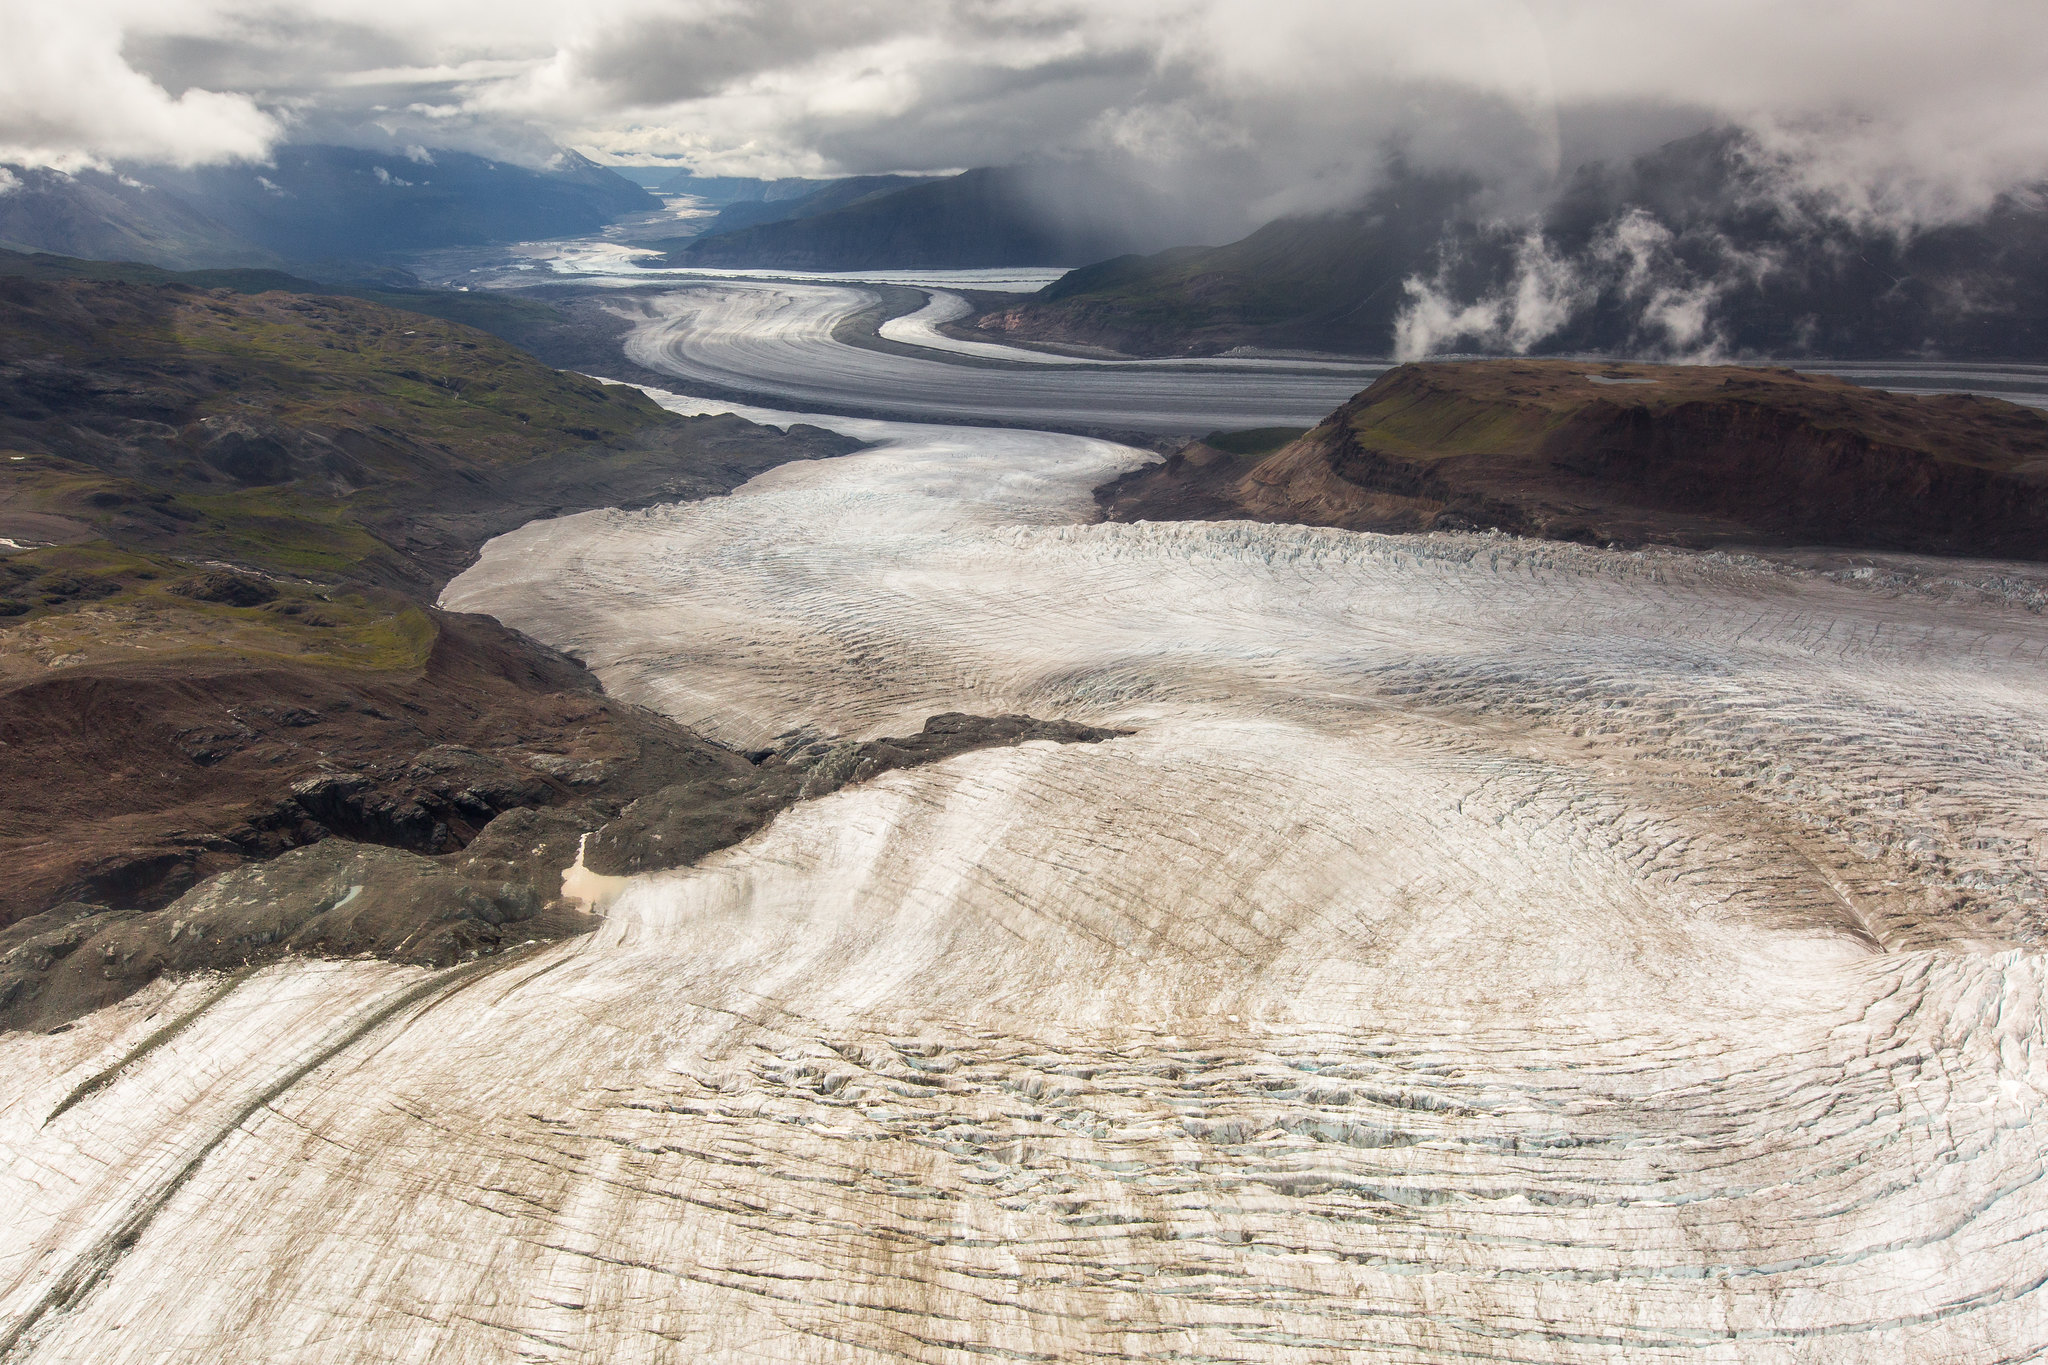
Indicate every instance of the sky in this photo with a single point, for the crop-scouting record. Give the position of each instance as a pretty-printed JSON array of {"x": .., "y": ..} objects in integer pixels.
[{"x": 1914, "y": 110}]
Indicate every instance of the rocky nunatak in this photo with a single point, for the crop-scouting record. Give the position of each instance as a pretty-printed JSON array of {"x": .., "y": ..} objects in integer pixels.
[
  {"x": 685, "y": 820},
  {"x": 1629, "y": 454},
  {"x": 500, "y": 887}
]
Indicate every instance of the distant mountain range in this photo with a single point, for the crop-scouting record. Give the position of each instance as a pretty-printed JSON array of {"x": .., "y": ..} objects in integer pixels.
[
  {"x": 312, "y": 204},
  {"x": 1706, "y": 248},
  {"x": 1703, "y": 248},
  {"x": 109, "y": 217},
  {"x": 821, "y": 198},
  {"x": 1050, "y": 214},
  {"x": 718, "y": 189},
  {"x": 1327, "y": 283}
]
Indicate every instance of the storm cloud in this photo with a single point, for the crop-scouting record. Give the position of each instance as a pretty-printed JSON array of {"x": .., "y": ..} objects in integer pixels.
[{"x": 1898, "y": 111}]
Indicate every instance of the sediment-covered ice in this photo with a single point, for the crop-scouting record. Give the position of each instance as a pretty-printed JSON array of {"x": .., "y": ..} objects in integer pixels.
[
  {"x": 1481, "y": 950},
  {"x": 778, "y": 338}
]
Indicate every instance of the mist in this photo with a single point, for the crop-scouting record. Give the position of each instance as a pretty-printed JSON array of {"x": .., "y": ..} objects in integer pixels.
[{"x": 1227, "y": 113}]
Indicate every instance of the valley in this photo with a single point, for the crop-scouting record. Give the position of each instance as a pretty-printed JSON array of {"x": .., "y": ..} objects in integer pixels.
[
  {"x": 1522, "y": 950},
  {"x": 962, "y": 683}
]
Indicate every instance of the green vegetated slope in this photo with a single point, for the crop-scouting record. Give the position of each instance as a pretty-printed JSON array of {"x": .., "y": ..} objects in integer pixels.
[
  {"x": 1692, "y": 455},
  {"x": 224, "y": 518},
  {"x": 1049, "y": 214},
  {"x": 1253, "y": 441},
  {"x": 1331, "y": 281},
  {"x": 145, "y": 427},
  {"x": 523, "y": 322},
  {"x": 48, "y": 266}
]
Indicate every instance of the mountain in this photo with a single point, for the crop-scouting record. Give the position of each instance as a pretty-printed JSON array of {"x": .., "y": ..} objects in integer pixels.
[
  {"x": 317, "y": 203},
  {"x": 718, "y": 190},
  {"x": 311, "y": 204},
  {"x": 115, "y": 218},
  {"x": 233, "y": 723},
  {"x": 1329, "y": 283},
  {"x": 1053, "y": 214},
  {"x": 224, "y": 520},
  {"x": 1602, "y": 453},
  {"x": 1704, "y": 248},
  {"x": 823, "y": 198}
]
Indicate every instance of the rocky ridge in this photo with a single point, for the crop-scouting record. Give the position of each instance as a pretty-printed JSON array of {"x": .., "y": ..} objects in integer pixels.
[
  {"x": 224, "y": 519},
  {"x": 459, "y": 856},
  {"x": 1631, "y": 454}
]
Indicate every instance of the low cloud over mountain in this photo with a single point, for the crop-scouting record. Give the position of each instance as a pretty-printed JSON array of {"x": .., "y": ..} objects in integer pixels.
[
  {"x": 1234, "y": 112},
  {"x": 1711, "y": 247}
]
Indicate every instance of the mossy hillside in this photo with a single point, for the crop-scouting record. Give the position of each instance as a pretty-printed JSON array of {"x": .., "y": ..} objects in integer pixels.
[
  {"x": 324, "y": 363},
  {"x": 516, "y": 320},
  {"x": 1254, "y": 442},
  {"x": 519, "y": 321},
  {"x": 1432, "y": 411},
  {"x": 121, "y": 386},
  {"x": 113, "y": 596},
  {"x": 1418, "y": 418},
  {"x": 280, "y": 530},
  {"x": 44, "y": 265},
  {"x": 348, "y": 363},
  {"x": 98, "y": 603},
  {"x": 284, "y": 530}
]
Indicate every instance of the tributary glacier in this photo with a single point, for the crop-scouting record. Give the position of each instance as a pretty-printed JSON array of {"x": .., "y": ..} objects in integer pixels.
[{"x": 1478, "y": 950}]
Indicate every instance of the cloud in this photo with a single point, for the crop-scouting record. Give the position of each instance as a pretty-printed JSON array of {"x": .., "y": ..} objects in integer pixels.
[
  {"x": 1605, "y": 269},
  {"x": 1546, "y": 290},
  {"x": 68, "y": 99},
  {"x": 1902, "y": 111}
]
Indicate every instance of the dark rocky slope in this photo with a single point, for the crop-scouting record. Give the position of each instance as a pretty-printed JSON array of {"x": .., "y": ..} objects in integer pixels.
[
  {"x": 343, "y": 207},
  {"x": 821, "y": 197},
  {"x": 232, "y": 726},
  {"x": 1705, "y": 244},
  {"x": 1054, "y": 214},
  {"x": 394, "y": 898},
  {"x": 1686, "y": 455}
]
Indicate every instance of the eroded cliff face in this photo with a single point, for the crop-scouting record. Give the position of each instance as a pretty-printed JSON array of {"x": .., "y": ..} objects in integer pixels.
[{"x": 1636, "y": 454}]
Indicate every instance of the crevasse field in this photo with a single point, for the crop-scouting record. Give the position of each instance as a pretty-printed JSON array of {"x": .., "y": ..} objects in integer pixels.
[{"x": 1478, "y": 950}]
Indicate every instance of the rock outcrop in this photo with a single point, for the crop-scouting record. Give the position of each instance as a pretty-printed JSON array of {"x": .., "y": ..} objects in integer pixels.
[{"x": 1633, "y": 454}]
